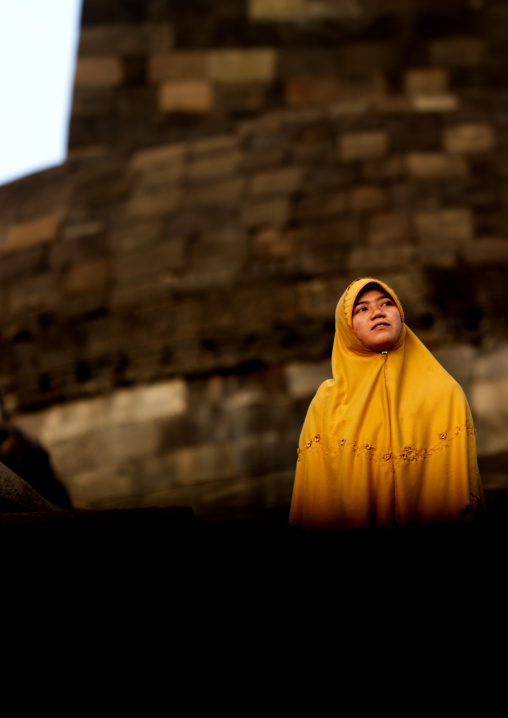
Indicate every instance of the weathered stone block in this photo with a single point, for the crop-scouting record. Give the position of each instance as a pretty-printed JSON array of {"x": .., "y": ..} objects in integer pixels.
[
  {"x": 390, "y": 167},
  {"x": 445, "y": 225},
  {"x": 205, "y": 463},
  {"x": 215, "y": 167},
  {"x": 215, "y": 144},
  {"x": 445, "y": 102},
  {"x": 389, "y": 104},
  {"x": 189, "y": 429},
  {"x": 361, "y": 12},
  {"x": 354, "y": 146},
  {"x": 241, "y": 66},
  {"x": 156, "y": 474},
  {"x": 368, "y": 57},
  {"x": 159, "y": 158},
  {"x": 457, "y": 52},
  {"x": 240, "y": 98},
  {"x": 95, "y": 174},
  {"x": 88, "y": 276},
  {"x": 187, "y": 222},
  {"x": 305, "y": 91},
  {"x": 192, "y": 96},
  {"x": 489, "y": 404},
  {"x": 326, "y": 204},
  {"x": 82, "y": 230},
  {"x": 282, "y": 180},
  {"x": 503, "y": 193},
  {"x": 458, "y": 361},
  {"x": 126, "y": 441},
  {"x": 366, "y": 198},
  {"x": 318, "y": 298},
  {"x": 469, "y": 138},
  {"x": 23, "y": 235},
  {"x": 129, "y": 235},
  {"x": 125, "y": 406},
  {"x": 352, "y": 106},
  {"x": 227, "y": 192},
  {"x": 33, "y": 293},
  {"x": 20, "y": 265},
  {"x": 221, "y": 252},
  {"x": 189, "y": 319},
  {"x": 75, "y": 456},
  {"x": 154, "y": 201},
  {"x": 103, "y": 486},
  {"x": 426, "y": 81},
  {"x": 176, "y": 66},
  {"x": 352, "y": 10},
  {"x": 152, "y": 264},
  {"x": 81, "y": 304},
  {"x": 266, "y": 150},
  {"x": 486, "y": 250},
  {"x": 158, "y": 180},
  {"x": 257, "y": 308},
  {"x": 273, "y": 243},
  {"x": 274, "y": 211},
  {"x": 251, "y": 413},
  {"x": 306, "y": 64},
  {"x": 66, "y": 253},
  {"x": 491, "y": 365},
  {"x": 445, "y": 258},
  {"x": 89, "y": 102},
  {"x": 125, "y": 39},
  {"x": 313, "y": 150},
  {"x": 274, "y": 10},
  {"x": 255, "y": 455},
  {"x": 99, "y": 72},
  {"x": 410, "y": 283},
  {"x": 125, "y": 297},
  {"x": 303, "y": 379},
  {"x": 389, "y": 228},
  {"x": 434, "y": 165},
  {"x": 324, "y": 247},
  {"x": 371, "y": 260}
]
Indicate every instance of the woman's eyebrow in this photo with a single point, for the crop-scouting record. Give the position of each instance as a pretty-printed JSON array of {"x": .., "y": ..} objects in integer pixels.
[{"x": 364, "y": 301}]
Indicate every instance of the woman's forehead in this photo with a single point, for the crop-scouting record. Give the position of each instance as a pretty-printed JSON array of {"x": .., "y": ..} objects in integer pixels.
[{"x": 371, "y": 292}]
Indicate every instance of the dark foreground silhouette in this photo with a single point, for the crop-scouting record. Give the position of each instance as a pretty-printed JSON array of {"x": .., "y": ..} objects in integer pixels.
[{"x": 166, "y": 551}]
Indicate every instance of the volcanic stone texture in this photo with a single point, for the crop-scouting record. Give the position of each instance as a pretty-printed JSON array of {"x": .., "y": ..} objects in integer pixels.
[{"x": 168, "y": 294}]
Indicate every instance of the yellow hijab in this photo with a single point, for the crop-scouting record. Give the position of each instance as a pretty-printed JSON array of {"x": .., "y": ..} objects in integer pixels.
[{"x": 389, "y": 441}]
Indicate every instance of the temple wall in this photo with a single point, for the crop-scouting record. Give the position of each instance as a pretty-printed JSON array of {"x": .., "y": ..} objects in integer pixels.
[{"x": 168, "y": 294}]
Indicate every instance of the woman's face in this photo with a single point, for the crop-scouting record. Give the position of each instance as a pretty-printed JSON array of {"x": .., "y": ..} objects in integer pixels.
[{"x": 376, "y": 320}]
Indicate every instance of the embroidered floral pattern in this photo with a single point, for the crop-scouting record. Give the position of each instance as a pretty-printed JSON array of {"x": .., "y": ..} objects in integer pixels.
[
  {"x": 407, "y": 455},
  {"x": 308, "y": 445}
]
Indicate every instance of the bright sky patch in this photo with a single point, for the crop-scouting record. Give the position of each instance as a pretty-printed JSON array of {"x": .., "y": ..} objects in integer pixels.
[{"x": 38, "y": 44}]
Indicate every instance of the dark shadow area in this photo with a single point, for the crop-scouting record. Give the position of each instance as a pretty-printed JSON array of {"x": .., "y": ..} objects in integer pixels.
[
  {"x": 153, "y": 586},
  {"x": 156, "y": 546}
]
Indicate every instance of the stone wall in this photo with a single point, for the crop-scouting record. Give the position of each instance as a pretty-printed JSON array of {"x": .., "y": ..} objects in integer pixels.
[{"x": 168, "y": 294}]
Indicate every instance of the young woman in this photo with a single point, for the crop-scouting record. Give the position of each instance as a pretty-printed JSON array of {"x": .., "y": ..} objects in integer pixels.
[{"x": 389, "y": 441}]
